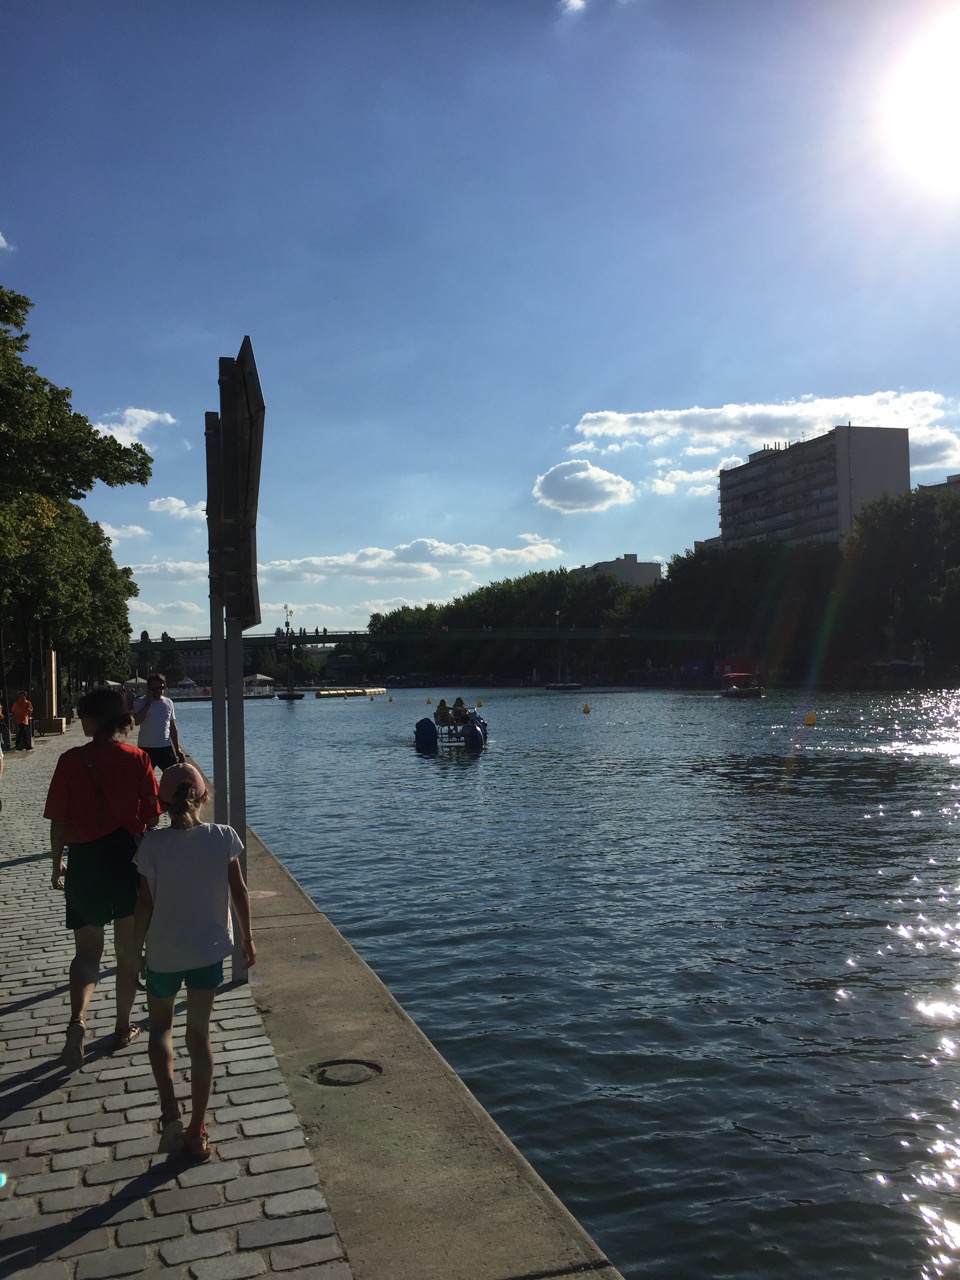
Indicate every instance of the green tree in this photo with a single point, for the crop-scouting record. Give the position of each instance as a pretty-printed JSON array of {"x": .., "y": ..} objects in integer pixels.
[{"x": 58, "y": 580}]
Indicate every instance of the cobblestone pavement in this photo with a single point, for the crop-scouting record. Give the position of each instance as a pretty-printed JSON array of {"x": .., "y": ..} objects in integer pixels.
[{"x": 86, "y": 1195}]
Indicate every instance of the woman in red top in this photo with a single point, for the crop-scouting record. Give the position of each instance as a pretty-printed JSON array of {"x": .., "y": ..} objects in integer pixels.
[{"x": 102, "y": 798}]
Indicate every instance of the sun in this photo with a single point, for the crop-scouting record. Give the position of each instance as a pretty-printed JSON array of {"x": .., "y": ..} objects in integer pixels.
[{"x": 920, "y": 108}]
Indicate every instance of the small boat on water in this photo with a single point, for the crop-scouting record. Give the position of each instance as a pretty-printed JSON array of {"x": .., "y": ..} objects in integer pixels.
[
  {"x": 469, "y": 732},
  {"x": 741, "y": 684}
]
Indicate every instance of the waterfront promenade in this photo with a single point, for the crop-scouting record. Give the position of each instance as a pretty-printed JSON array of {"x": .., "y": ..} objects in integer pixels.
[{"x": 325, "y": 1094}]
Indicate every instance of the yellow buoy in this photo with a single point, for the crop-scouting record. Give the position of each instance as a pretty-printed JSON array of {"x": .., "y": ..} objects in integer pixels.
[
  {"x": 429, "y": 702},
  {"x": 390, "y": 699},
  {"x": 586, "y": 708},
  {"x": 479, "y": 702},
  {"x": 811, "y": 718}
]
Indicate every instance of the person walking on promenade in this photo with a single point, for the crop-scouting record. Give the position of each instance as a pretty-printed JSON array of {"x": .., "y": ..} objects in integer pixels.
[
  {"x": 159, "y": 736},
  {"x": 22, "y": 710},
  {"x": 4, "y": 728},
  {"x": 189, "y": 875},
  {"x": 102, "y": 797}
]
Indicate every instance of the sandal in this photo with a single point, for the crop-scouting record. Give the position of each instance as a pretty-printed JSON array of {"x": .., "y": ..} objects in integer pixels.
[
  {"x": 121, "y": 1039},
  {"x": 171, "y": 1133},
  {"x": 71, "y": 1055},
  {"x": 197, "y": 1146}
]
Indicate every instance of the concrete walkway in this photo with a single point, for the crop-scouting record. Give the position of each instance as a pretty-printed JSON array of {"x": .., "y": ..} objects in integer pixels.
[{"x": 86, "y": 1195}]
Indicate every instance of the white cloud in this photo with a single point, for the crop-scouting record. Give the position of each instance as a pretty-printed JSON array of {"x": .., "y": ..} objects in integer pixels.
[
  {"x": 573, "y": 6},
  {"x": 580, "y": 486},
  {"x": 933, "y": 422},
  {"x": 124, "y": 531},
  {"x": 423, "y": 559},
  {"x": 129, "y": 425},
  {"x": 5, "y": 245},
  {"x": 161, "y": 610},
  {"x": 177, "y": 507},
  {"x": 173, "y": 570},
  {"x": 759, "y": 424}
]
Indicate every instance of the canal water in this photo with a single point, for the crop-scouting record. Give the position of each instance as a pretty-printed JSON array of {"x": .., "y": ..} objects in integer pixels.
[{"x": 697, "y": 957}]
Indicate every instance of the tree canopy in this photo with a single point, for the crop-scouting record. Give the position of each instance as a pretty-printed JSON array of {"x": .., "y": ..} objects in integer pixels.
[
  {"x": 59, "y": 583},
  {"x": 807, "y": 613}
]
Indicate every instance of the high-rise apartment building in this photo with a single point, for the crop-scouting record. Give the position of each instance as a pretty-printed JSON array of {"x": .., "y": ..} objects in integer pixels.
[
  {"x": 811, "y": 491},
  {"x": 634, "y": 572}
]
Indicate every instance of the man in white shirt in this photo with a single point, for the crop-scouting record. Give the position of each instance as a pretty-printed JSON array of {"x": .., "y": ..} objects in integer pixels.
[{"x": 159, "y": 736}]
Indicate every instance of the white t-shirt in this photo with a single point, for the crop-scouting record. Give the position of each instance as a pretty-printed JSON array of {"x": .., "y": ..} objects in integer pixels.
[
  {"x": 187, "y": 875},
  {"x": 155, "y": 728}
]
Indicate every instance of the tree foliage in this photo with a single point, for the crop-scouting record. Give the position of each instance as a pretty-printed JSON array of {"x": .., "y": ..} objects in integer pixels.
[
  {"x": 59, "y": 584},
  {"x": 806, "y": 613}
]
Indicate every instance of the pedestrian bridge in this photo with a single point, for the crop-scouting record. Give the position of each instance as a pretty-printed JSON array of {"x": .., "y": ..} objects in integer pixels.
[{"x": 385, "y": 639}]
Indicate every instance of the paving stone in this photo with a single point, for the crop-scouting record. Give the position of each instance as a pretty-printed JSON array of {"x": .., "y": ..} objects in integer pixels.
[
  {"x": 262, "y": 1235},
  {"x": 115, "y": 1262},
  {"x": 112, "y": 1171},
  {"x": 230, "y": 1267},
  {"x": 61, "y": 1142},
  {"x": 305, "y": 1253},
  {"x": 267, "y": 1184},
  {"x": 240, "y": 1096},
  {"x": 75, "y": 1198},
  {"x": 28, "y": 1165},
  {"x": 328, "y": 1271},
  {"x": 243, "y": 1148},
  {"x": 208, "y": 1245},
  {"x": 17, "y": 1207},
  {"x": 227, "y": 1215},
  {"x": 269, "y": 1124},
  {"x": 254, "y": 1110},
  {"x": 72, "y": 1243},
  {"x": 306, "y": 1201},
  {"x": 212, "y": 1171},
  {"x": 170, "y": 1226},
  {"x": 293, "y": 1159},
  {"x": 258, "y": 1081},
  {"x": 186, "y": 1201},
  {"x": 81, "y": 1158},
  {"x": 46, "y": 1271},
  {"x": 123, "y": 1133},
  {"x": 59, "y": 1181}
]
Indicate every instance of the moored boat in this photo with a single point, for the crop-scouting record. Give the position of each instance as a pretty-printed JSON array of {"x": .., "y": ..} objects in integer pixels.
[{"x": 741, "y": 684}]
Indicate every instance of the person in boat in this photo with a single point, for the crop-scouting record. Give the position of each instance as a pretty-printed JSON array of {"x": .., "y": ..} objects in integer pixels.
[
  {"x": 443, "y": 716},
  {"x": 461, "y": 713}
]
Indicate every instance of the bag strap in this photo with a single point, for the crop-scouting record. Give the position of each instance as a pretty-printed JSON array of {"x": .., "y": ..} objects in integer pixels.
[{"x": 101, "y": 794}]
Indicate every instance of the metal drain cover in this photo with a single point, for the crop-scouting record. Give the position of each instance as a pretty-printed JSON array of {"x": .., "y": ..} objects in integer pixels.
[{"x": 344, "y": 1071}]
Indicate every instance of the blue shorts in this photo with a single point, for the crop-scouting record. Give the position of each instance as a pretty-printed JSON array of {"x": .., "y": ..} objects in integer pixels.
[{"x": 166, "y": 985}]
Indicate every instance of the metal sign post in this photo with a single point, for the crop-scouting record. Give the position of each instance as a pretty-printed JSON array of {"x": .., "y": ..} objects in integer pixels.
[{"x": 234, "y": 447}]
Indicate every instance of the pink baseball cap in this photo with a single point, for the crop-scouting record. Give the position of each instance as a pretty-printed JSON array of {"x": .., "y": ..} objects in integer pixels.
[{"x": 173, "y": 778}]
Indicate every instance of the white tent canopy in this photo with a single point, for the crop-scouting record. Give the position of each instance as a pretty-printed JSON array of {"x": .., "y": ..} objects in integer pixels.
[{"x": 258, "y": 679}]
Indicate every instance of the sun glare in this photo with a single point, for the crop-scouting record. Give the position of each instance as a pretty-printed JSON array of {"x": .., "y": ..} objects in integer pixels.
[{"x": 921, "y": 108}]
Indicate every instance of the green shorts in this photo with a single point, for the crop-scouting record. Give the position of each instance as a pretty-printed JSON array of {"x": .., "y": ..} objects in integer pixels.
[
  {"x": 166, "y": 985},
  {"x": 101, "y": 881}
]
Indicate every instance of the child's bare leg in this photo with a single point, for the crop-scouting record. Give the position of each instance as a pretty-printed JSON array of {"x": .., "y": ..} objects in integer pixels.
[
  {"x": 197, "y": 1037},
  {"x": 127, "y": 969},
  {"x": 161, "y": 1053}
]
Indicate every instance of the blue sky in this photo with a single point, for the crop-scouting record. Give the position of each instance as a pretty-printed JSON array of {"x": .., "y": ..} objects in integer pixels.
[{"x": 520, "y": 275}]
